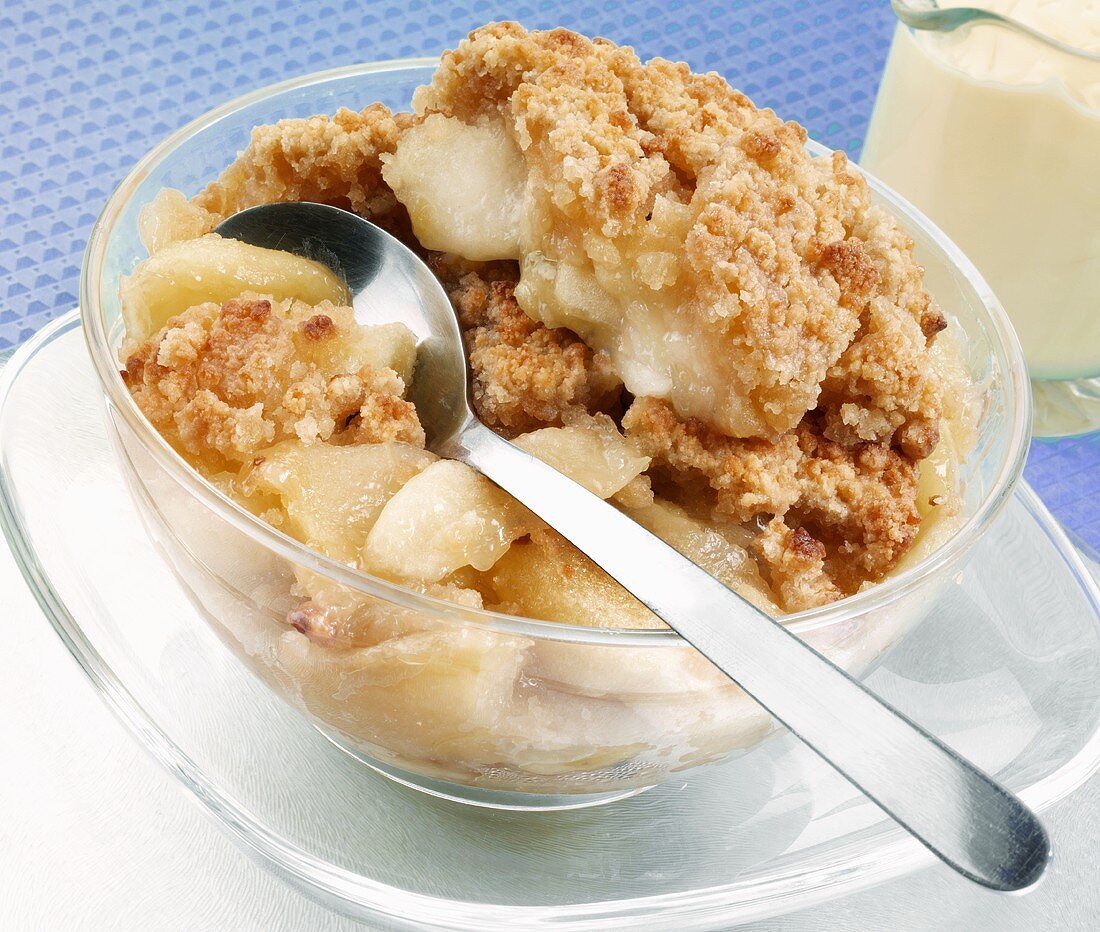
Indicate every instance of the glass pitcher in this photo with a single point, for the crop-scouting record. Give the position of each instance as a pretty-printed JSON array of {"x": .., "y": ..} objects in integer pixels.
[{"x": 988, "y": 119}]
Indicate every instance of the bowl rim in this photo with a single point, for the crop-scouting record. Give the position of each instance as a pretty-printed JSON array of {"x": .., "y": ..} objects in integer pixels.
[{"x": 98, "y": 340}]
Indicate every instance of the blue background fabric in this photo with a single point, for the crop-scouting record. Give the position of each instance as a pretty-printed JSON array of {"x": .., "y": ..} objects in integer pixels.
[{"x": 87, "y": 88}]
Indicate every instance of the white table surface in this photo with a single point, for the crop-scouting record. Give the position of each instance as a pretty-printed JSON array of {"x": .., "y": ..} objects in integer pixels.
[{"x": 93, "y": 835}]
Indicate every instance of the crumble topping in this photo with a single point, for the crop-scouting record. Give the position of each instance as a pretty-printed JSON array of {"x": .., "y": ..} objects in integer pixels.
[
  {"x": 795, "y": 562},
  {"x": 663, "y": 255},
  {"x": 326, "y": 159},
  {"x": 858, "y": 504},
  {"x": 525, "y": 375},
  {"x": 333, "y": 160},
  {"x": 225, "y": 381},
  {"x": 689, "y": 235}
]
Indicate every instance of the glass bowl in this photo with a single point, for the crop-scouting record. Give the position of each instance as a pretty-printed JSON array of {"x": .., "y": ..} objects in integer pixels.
[{"x": 469, "y": 704}]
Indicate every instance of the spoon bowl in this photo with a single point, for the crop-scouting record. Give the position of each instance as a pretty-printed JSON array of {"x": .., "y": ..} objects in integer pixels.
[{"x": 389, "y": 283}]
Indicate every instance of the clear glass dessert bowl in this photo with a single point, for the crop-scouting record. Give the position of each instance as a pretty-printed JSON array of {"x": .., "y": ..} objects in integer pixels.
[{"x": 465, "y": 703}]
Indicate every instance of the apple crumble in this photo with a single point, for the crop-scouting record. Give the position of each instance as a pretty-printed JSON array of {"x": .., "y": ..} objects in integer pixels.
[{"x": 661, "y": 292}]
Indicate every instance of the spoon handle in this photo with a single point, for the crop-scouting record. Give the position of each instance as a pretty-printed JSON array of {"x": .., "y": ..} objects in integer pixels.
[{"x": 960, "y": 814}]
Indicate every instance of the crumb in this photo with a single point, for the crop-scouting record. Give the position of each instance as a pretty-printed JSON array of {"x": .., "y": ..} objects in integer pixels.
[
  {"x": 525, "y": 375},
  {"x": 932, "y": 321},
  {"x": 794, "y": 564},
  {"x": 223, "y": 382},
  {"x": 330, "y": 160},
  {"x": 384, "y": 417},
  {"x": 859, "y": 502},
  {"x": 318, "y": 327}
]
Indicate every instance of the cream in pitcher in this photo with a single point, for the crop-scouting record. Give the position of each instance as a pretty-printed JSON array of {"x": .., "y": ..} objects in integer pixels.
[{"x": 996, "y": 136}]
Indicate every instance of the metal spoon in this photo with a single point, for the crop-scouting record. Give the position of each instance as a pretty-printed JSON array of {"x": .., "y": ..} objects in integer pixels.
[
  {"x": 925, "y": 14},
  {"x": 955, "y": 810}
]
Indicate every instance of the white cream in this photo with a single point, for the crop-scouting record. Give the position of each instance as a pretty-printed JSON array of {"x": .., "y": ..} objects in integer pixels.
[{"x": 997, "y": 138}]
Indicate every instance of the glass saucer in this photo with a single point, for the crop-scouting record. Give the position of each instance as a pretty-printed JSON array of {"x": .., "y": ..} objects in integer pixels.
[{"x": 1006, "y": 669}]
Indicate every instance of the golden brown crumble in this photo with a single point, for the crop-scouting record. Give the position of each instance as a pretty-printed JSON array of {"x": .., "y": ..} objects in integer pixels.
[
  {"x": 317, "y": 327},
  {"x": 325, "y": 159},
  {"x": 226, "y": 381},
  {"x": 784, "y": 262},
  {"x": 745, "y": 477},
  {"x": 861, "y": 502},
  {"x": 525, "y": 375},
  {"x": 332, "y": 160},
  {"x": 795, "y": 566},
  {"x": 858, "y": 503},
  {"x": 654, "y": 188}
]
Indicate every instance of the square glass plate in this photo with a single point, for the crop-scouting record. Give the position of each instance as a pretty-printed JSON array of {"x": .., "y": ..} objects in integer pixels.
[{"x": 1005, "y": 668}]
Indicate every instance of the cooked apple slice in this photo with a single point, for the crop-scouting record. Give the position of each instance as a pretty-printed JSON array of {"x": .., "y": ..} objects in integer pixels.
[
  {"x": 445, "y": 518},
  {"x": 549, "y": 579},
  {"x": 438, "y": 694},
  {"x": 463, "y": 186},
  {"x": 379, "y": 346},
  {"x": 170, "y": 217},
  {"x": 705, "y": 545},
  {"x": 937, "y": 499},
  {"x": 333, "y": 495},
  {"x": 184, "y": 274},
  {"x": 590, "y": 451}
]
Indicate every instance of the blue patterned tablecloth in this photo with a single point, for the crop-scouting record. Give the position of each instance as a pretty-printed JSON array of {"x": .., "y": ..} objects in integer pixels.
[{"x": 86, "y": 88}]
